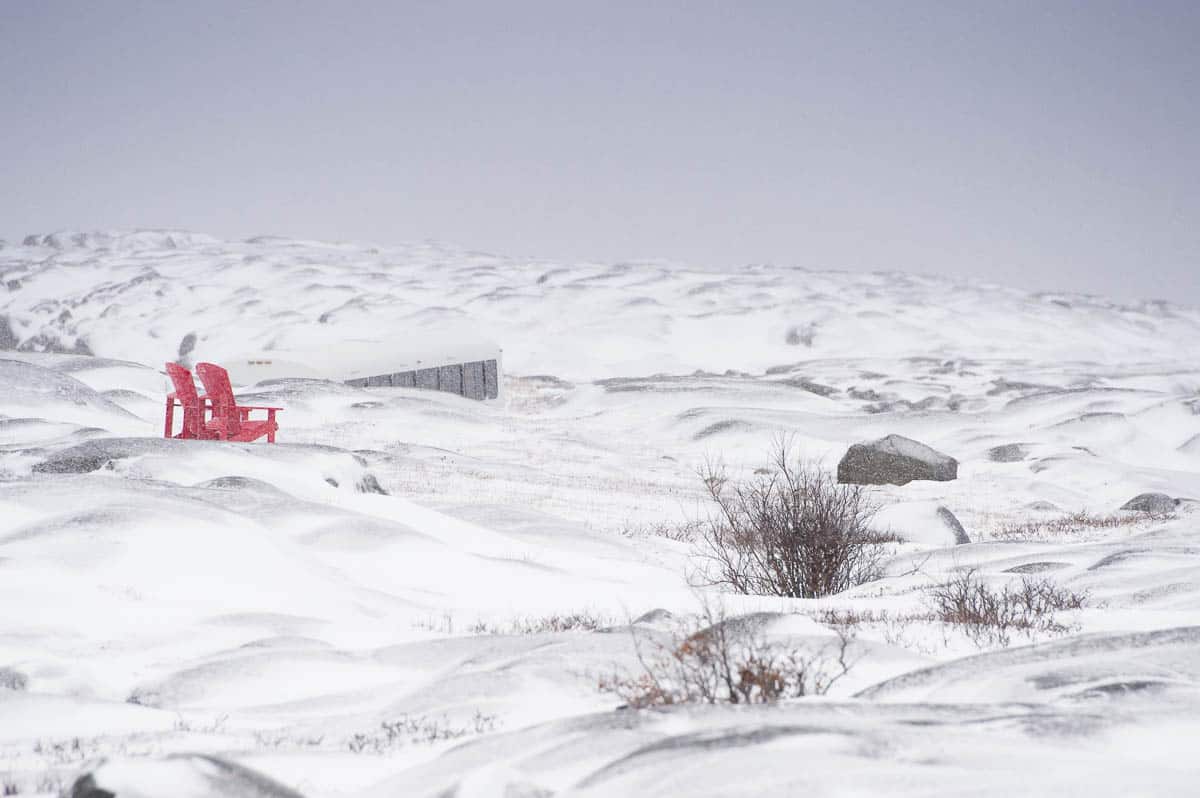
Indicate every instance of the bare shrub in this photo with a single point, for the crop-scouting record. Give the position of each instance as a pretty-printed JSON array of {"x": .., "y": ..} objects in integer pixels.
[
  {"x": 581, "y": 621},
  {"x": 65, "y": 752},
  {"x": 212, "y": 726},
  {"x": 801, "y": 334},
  {"x": 712, "y": 659},
  {"x": 991, "y": 616},
  {"x": 791, "y": 531},
  {"x": 443, "y": 625},
  {"x": 46, "y": 784},
  {"x": 13, "y": 679},
  {"x": 682, "y": 532},
  {"x": 50, "y": 784},
  {"x": 416, "y": 730}
]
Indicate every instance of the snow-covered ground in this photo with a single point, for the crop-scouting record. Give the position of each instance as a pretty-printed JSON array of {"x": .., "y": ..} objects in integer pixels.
[{"x": 366, "y": 608}]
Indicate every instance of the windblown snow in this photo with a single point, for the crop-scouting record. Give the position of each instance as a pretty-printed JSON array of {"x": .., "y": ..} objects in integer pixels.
[{"x": 417, "y": 594}]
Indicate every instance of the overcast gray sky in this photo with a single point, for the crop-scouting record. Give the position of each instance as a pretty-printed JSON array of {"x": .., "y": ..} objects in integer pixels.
[{"x": 1045, "y": 144}]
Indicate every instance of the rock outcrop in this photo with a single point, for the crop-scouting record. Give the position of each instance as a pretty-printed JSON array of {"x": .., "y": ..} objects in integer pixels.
[
  {"x": 954, "y": 525},
  {"x": 1151, "y": 503},
  {"x": 179, "y": 775}
]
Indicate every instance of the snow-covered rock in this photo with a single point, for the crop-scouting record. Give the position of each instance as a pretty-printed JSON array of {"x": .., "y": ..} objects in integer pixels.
[
  {"x": 924, "y": 522},
  {"x": 894, "y": 460},
  {"x": 1151, "y": 503},
  {"x": 1008, "y": 453},
  {"x": 178, "y": 776}
]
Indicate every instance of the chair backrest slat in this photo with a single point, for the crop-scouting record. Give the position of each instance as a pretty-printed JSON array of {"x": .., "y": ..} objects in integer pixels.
[
  {"x": 185, "y": 392},
  {"x": 220, "y": 392},
  {"x": 185, "y": 388}
]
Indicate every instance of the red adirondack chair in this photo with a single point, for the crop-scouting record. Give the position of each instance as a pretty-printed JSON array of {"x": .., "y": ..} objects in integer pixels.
[
  {"x": 230, "y": 421},
  {"x": 194, "y": 406}
]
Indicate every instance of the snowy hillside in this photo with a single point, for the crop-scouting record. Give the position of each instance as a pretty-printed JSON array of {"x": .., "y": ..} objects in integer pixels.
[
  {"x": 136, "y": 296},
  {"x": 418, "y": 594}
]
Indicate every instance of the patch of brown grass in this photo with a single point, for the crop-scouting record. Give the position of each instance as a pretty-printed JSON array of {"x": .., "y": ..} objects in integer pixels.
[{"x": 1072, "y": 524}]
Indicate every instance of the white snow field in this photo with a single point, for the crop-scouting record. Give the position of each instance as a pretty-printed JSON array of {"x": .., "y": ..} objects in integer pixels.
[{"x": 417, "y": 594}]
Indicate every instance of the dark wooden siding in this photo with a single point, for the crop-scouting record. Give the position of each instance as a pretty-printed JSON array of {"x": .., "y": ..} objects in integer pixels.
[{"x": 479, "y": 379}]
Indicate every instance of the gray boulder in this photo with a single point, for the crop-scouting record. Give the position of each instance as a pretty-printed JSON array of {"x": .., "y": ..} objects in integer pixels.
[
  {"x": 1151, "y": 503},
  {"x": 894, "y": 460},
  {"x": 177, "y": 775},
  {"x": 186, "y": 347},
  {"x": 805, "y": 384},
  {"x": 1008, "y": 453}
]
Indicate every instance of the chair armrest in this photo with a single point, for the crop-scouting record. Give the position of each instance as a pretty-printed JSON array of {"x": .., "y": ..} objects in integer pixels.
[
  {"x": 257, "y": 407},
  {"x": 174, "y": 397}
]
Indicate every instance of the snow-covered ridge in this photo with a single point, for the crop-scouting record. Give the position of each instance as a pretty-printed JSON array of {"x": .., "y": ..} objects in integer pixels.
[
  {"x": 127, "y": 241},
  {"x": 398, "y": 560},
  {"x": 138, "y": 295}
]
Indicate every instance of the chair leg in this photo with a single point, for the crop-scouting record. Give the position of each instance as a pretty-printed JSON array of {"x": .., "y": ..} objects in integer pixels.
[
  {"x": 168, "y": 428},
  {"x": 271, "y": 426}
]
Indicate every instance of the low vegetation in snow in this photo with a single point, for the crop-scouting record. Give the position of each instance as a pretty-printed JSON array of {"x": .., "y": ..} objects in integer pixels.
[
  {"x": 992, "y": 616},
  {"x": 581, "y": 621},
  {"x": 789, "y": 530},
  {"x": 416, "y": 730},
  {"x": 711, "y": 658},
  {"x": 1027, "y": 528}
]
